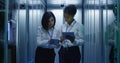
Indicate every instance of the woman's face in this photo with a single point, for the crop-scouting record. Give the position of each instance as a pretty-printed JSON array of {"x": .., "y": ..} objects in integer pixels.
[
  {"x": 51, "y": 22},
  {"x": 68, "y": 18}
]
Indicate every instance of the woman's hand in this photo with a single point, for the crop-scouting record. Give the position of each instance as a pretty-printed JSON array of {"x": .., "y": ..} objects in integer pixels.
[
  {"x": 49, "y": 41},
  {"x": 70, "y": 38},
  {"x": 61, "y": 39}
]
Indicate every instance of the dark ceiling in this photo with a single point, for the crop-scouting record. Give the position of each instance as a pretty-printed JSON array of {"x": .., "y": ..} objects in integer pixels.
[{"x": 56, "y": 3}]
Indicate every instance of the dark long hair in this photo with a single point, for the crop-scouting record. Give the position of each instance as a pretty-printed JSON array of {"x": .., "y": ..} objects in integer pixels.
[{"x": 45, "y": 19}]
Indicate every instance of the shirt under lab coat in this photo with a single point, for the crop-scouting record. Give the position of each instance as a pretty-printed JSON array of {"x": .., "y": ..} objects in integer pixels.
[
  {"x": 77, "y": 28},
  {"x": 44, "y": 36}
]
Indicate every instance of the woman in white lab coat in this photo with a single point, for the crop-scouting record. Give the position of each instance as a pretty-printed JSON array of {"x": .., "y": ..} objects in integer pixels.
[
  {"x": 45, "y": 51},
  {"x": 69, "y": 51}
]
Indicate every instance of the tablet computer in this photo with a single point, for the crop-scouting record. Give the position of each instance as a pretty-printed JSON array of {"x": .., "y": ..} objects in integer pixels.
[
  {"x": 54, "y": 41},
  {"x": 64, "y": 34}
]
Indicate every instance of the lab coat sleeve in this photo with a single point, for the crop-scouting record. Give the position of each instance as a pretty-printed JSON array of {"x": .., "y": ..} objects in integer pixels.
[
  {"x": 79, "y": 36},
  {"x": 40, "y": 40}
]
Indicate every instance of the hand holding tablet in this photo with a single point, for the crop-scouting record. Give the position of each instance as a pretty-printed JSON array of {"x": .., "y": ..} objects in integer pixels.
[{"x": 68, "y": 35}]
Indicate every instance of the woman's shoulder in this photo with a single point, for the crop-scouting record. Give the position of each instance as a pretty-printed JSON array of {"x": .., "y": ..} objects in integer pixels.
[
  {"x": 40, "y": 28},
  {"x": 79, "y": 24},
  {"x": 57, "y": 29}
]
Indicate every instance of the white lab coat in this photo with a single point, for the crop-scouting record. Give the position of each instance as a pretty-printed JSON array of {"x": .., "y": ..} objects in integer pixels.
[{"x": 78, "y": 30}]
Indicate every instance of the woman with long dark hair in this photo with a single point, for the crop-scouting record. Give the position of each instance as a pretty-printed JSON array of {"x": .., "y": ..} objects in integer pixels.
[{"x": 45, "y": 51}]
